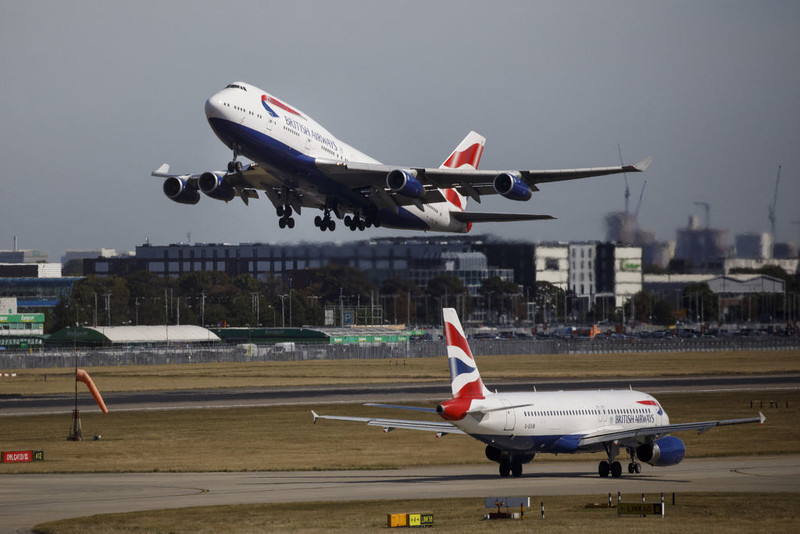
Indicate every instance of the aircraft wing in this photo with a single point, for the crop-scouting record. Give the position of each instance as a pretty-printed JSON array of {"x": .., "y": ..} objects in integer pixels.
[
  {"x": 247, "y": 182},
  {"x": 701, "y": 427},
  {"x": 440, "y": 427},
  {"x": 473, "y": 216},
  {"x": 469, "y": 182}
]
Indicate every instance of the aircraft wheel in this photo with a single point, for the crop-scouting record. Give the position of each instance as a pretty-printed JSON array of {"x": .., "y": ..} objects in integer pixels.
[
  {"x": 616, "y": 469},
  {"x": 516, "y": 469},
  {"x": 237, "y": 165},
  {"x": 331, "y": 225},
  {"x": 361, "y": 224},
  {"x": 505, "y": 469},
  {"x": 348, "y": 220},
  {"x": 231, "y": 166},
  {"x": 282, "y": 222},
  {"x": 318, "y": 221},
  {"x": 637, "y": 468},
  {"x": 603, "y": 469},
  {"x": 279, "y": 211},
  {"x": 287, "y": 210},
  {"x": 630, "y": 468},
  {"x": 290, "y": 222}
]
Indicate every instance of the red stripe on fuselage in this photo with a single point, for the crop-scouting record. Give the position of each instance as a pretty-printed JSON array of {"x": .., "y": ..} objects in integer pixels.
[{"x": 281, "y": 105}]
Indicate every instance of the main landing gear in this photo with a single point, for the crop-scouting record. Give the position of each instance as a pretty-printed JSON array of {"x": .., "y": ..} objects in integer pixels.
[
  {"x": 510, "y": 466},
  {"x": 325, "y": 222},
  {"x": 613, "y": 467},
  {"x": 357, "y": 223},
  {"x": 285, "y": 214}
]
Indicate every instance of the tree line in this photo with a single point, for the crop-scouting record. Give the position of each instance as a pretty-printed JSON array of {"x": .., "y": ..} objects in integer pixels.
[{"x": 212, "y": 299}]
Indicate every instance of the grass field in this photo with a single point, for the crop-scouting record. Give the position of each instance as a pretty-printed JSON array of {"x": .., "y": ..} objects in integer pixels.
[
  {"x": 693, "y": 513},
  {"x": 266, "y": 438},
  {"x": 192, "y": 440},
  {"x": 412, "y": 370}
]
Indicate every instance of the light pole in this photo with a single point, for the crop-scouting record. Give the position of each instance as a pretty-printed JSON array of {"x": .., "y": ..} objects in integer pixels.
[{"x": 283, "y": 312}]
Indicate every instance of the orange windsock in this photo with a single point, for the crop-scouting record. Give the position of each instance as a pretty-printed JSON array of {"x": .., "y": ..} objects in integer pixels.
[{"x": 83, "y": 376}]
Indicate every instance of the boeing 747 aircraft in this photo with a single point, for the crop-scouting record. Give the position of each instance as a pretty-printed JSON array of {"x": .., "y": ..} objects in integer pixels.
[
  {"x": 297, "y": 164},
  {"x": 517, "y": 426}
]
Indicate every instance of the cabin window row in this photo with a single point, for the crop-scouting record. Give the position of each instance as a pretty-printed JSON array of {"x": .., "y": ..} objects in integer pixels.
[{"x": 546, "y": 413}]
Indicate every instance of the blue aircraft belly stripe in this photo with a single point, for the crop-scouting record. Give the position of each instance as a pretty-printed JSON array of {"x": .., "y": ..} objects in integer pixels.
[
  {"x": 551, "y": 444},
  {"x": 273, "y": 154}
]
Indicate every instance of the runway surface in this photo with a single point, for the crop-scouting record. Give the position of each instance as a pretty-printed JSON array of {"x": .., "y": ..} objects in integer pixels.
[
  {"x": 26, "y": 500},
  {"x": 224, "y": 398}
]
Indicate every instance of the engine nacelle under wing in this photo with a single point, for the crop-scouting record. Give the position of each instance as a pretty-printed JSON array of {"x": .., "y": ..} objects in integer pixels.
[
  {"x": 511, "y": 187},
  {"x": 405, "y": 183},
  {"x": 662, "y": 452},
  {"x": 216, "y": 186},
  {"x": 179, "y": 190}
]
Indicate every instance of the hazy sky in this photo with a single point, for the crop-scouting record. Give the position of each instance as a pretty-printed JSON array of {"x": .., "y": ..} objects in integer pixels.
[{"x": 95, "y": 95}]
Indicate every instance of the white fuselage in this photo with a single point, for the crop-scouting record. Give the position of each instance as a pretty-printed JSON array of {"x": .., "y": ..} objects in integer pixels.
[
  {"x": 286, "y": 142},
  {"x": 555, "y": 421}
]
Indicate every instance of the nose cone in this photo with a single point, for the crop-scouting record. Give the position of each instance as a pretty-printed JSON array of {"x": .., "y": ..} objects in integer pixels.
[{"x": 214, "y": 107}]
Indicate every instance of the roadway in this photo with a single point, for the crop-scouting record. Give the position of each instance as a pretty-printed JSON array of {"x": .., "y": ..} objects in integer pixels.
[{"x": 27, "y": 500}]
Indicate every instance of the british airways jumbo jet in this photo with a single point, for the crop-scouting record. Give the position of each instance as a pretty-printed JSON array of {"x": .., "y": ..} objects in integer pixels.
[
  {"x": 517, "y": 426},
  {"x": 298, "y": 164}
]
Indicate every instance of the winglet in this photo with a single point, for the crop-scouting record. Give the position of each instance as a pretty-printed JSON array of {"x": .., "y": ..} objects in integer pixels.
[
  {"x": 161, "y": 171},
  {"x": 316, "y": 416},
  {"x": 762, "y": 417},
  {"x": 642, "y": 165}
]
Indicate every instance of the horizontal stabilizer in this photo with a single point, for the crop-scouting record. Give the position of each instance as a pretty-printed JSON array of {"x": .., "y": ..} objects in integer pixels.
[{"x": 471, "y": 217}]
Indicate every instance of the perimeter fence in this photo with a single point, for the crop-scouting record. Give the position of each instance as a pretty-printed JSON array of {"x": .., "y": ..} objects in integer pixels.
[{"x": 138, "y": 355}]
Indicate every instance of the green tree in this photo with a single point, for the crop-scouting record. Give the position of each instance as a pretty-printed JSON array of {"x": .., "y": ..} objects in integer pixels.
[
  {"x": 500, "y": 295},
  {"x": 403, "y": 293},
  {"x": 700, "y": 302},
  {"x": 447, "y": 290}
]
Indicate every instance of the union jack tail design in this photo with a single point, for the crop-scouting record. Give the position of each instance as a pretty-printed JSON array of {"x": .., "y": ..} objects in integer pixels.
[
  {"x": 465, "y": 380},
  {"x": 467, "y": 154}
]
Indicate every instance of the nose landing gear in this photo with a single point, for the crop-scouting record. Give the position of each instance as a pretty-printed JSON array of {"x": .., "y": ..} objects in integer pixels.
[{"x": 235, "y": 165}]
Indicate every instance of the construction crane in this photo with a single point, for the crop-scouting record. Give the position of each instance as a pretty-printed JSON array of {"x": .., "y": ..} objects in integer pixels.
[
  {"x": 625, "y": 174},
  {"x": 707, "y": 207},
  {"x": 639, "y": 203},
  {"x": 771, "y": 208}
]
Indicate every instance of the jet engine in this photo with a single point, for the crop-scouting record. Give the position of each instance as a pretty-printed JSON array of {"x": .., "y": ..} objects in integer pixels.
[
  {"x": 215, "y": 186},
  {"x": 511, "y": 187},
  {"x": 180, "y": 191},
  {"x": 662, "y": 452},
  {"x": 404, "y": 183}
]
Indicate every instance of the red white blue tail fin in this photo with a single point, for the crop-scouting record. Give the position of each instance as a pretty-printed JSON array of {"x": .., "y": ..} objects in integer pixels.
[
  {"x": 466, "y": 155},
  {"x": 465, "y": 380}
]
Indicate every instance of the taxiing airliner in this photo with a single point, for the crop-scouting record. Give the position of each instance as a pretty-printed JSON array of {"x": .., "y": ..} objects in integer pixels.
[
  {"x": 517, "y": 426},
  {"x": 298, "y": 164}
]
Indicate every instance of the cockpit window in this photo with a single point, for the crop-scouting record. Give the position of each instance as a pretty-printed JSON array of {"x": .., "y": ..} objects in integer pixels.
[{"x": 234, "y": 86}]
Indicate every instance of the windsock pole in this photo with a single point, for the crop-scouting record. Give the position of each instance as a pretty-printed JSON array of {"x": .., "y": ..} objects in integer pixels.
[
  {"x": 82, "y": 376},
  {"x": 75, "y": 433}
]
